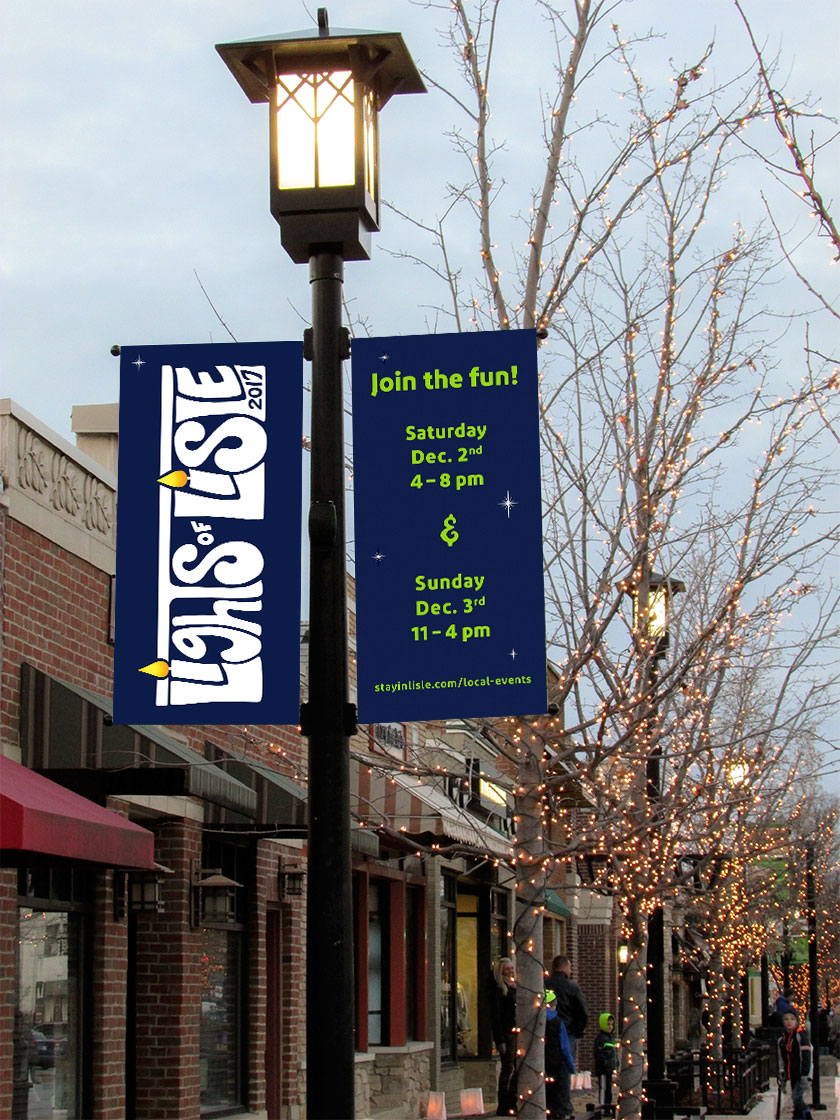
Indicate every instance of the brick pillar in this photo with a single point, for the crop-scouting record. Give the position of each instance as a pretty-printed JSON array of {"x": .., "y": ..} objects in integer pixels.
[
  {"x": 592, "y": 953},
  {"x": 265, "y": 887},
  {"x": 168, "y": 986},
  {"x": 592, "y": 968},
  {"x": 433, "y": 947},
  {"x": 293, "y": 917},
  {"x": 670, "y": 1009},
  {"x": 108, "y": 1000}
]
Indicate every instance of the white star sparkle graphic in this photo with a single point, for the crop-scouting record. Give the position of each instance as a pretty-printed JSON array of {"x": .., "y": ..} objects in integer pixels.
[
  {"x": 512, "y": 655},
  {"x": 508, "y": 503},
  {"x": 378, "y": 556},
  {"x": 384, "y": 357},
  {"x": 138, "y": 362}
]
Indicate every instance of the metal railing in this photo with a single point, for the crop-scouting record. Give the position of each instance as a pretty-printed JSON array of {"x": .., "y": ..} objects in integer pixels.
[{"x": 727, "y": 1085}]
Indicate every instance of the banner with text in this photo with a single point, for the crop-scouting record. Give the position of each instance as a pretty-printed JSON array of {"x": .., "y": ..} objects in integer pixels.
[
  {"x": 450, "y": 611},
  {"x": 208, "y": 534}
]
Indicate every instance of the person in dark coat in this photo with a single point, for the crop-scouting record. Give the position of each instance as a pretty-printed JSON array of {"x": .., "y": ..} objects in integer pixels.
[
  {"x": 502, "y": 993},
  {"x": 794, "y": 1053},
  {"x": 572, "y": 1009}
]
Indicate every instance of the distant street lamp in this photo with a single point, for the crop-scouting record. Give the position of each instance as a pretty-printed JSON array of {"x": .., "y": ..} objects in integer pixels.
[
  {"x": 651, "y": 597},
  {"x": 652, "y": 611},
  {"x": 325, "y": 90}
]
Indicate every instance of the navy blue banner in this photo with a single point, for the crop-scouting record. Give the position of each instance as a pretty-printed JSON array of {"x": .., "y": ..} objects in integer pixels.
[
  {"x": 450, "y": 610},
  {"x": 208, "y": 534}
]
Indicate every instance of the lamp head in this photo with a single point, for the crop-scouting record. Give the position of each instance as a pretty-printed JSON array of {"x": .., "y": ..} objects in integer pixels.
[
  {"x": 325, "y": 90},
  {"x": 660, "y": 590}
]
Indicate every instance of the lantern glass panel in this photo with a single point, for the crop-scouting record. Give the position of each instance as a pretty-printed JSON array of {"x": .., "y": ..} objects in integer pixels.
[
  {"x": 219, "y": 904},
  {"x": 657, "y": 620},
  {"x": 370, "y": 118},
  {"x": 316, "y": 130},
  {"x": 658, "y": 612}
]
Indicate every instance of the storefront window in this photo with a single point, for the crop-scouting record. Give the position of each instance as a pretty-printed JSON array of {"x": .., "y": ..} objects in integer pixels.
[
  {"x": 376, "y": 963},
  {"x": 499, "y": 926},
  {"x": 220, "y": 1018},
  {"x": 413, "y": 910},
  {"x": 467, "y": 990},
  {"x": 47, "y": 1043}
]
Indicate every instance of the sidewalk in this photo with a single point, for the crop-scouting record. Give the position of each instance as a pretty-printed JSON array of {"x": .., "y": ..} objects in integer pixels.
[{"x": 765, "y": 1107}]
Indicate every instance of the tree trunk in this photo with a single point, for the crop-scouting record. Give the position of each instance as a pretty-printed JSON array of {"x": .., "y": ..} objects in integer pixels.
[
  {"x": 528, "y": 938},
  {"x": 717, "y": 991},
  {"x": 633, "y": 981}
]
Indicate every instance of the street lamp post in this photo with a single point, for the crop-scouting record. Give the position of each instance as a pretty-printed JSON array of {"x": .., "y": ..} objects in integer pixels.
[
  {"x": 813, "y": 978},
  {"x": 651, "y": 597},
  {"x": 325, "y": 90}
]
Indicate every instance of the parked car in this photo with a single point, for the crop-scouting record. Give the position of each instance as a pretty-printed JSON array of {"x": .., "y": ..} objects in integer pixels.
[
  {"x": 39, "y": 1049},
  {"x": 55, "y": 1035}
]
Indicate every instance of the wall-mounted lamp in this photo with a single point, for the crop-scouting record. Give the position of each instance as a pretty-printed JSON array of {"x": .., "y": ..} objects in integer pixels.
[
  {"x": 623, "y": 953},
  {"x": 214, "y": 897},
  {"x": 289, "y": 881},
  {"x": 139, "y": 892},
  {"x": 144, "y": 890}
]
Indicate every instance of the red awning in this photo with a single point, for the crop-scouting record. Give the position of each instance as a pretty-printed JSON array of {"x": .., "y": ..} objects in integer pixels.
[{"x": 37, "y": 815}]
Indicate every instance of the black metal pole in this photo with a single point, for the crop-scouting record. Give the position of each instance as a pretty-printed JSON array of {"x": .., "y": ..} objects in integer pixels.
[
  {"x": 813, "y": 979},
  {"x": 659, "y": 1090},
  {"x": 328, "y": 721},
  {"x": 656, "y": 997}
]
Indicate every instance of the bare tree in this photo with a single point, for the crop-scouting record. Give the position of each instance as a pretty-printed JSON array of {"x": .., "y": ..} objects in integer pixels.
[{"x": 676, "y": 440}]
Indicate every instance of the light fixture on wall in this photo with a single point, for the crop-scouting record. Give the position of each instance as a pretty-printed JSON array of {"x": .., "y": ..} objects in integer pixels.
[
  {"x": 139, "y": 892},
  {"x": 145, "y": 890},
  {"x": 289, "y": 880},
  {"x": 623, "y": 953},
  {"x": 214, "y": 896}
]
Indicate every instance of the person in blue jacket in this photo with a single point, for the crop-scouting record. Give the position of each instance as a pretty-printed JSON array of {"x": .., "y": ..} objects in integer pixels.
[{"x": 559, "y": 1062}]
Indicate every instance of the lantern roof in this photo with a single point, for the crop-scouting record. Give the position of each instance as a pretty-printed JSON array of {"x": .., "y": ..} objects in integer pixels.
[
  {"x": 380, "y": 58},
  {"x": 673, "y": 585}
]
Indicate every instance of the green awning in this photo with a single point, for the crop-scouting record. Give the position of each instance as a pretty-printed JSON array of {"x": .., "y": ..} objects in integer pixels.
[
  {"x": 555, "y": 904},
  {"x": 124, "y": 750}
]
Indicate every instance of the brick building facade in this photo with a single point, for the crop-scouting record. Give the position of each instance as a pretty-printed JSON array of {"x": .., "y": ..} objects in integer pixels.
[
  {"x": 157, "y": 1012},
  {"x": 160, "y": 994}
]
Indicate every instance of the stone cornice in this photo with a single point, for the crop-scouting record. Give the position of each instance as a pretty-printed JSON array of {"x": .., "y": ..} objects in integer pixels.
[{"x": 49, "y": 485}]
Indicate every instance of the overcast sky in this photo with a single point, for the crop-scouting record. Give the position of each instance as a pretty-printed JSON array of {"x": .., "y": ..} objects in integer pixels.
[{"x": 132, "y": 163}]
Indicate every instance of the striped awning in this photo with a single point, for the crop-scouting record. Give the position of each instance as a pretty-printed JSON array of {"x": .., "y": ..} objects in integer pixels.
[{"x": 415, "y": 806}]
